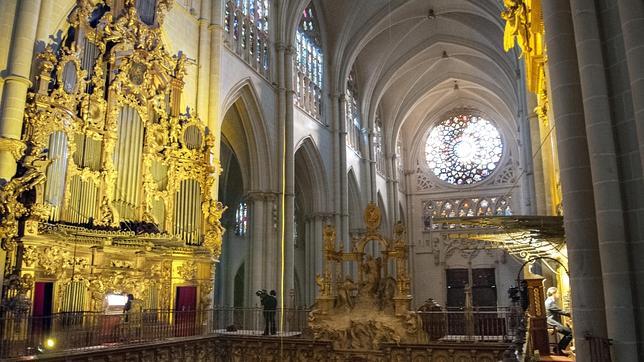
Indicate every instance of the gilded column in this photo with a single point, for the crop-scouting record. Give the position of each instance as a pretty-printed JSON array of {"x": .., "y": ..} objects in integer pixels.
[
  {"x": 16, "y": 83},
  {"x": 616, "y": 269},
  {"x": 579, "y": 208}
]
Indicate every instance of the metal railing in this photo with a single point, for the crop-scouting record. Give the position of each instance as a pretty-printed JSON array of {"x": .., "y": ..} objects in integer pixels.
[
  {"x": 495, "y": 325},
  {"x": 24, "y": 334},
  {"x": 27, "y": 335}
]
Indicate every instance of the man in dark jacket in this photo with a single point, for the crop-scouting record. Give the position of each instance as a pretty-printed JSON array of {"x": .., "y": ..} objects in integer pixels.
[{"x": 269, "y": 302}]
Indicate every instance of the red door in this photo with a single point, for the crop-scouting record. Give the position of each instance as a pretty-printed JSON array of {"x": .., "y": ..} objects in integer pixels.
[
  {"x": 185, "y": 307},
  {"x": 41, "y": 310}
]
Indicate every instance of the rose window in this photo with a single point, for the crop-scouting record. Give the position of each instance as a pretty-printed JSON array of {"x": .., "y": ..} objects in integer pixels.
[{"x": 463, "y": 149}]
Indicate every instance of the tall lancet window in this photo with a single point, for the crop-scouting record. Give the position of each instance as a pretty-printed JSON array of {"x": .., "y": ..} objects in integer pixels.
[
  {"x": 241, "y": 219},
  {"x": 352, "y": 113},
  {"x": 377, "y": 144},
  {"x": 309, "y": 63},
  {"x": 246, "y": 24}
]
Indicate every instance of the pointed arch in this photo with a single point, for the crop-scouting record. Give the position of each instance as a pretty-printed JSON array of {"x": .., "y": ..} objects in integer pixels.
[
  {"x": 311, "y": 175},
  {"x": 248, "y": 135}
]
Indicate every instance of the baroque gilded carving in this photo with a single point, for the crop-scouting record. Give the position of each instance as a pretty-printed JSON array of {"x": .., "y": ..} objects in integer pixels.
[
  {"x": 363, "y": 314},
  {"x": 109, "y": 61}
]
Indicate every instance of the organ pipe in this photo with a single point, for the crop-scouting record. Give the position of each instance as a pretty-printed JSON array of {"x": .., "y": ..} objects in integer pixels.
[
  {"x": 55, "y": 185},
  {"x": 187, "y": 212},
  {"x": 127, "y": 162}
]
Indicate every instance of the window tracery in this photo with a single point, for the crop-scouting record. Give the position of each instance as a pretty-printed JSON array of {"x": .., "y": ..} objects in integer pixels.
[
  {"x": 309, "y": 63},
  {"x": 475, "y": 206},
  {"x": 463, "y": 149},
  {"x": 241, "y": 219},
  {"x": 352, "y": 113},
  {"x": 247, "y": 24}
]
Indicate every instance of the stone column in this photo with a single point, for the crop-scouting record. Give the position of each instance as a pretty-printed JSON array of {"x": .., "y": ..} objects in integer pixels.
[
  {"x": 528, "y": 189},
  {"x": 16, "y": 82},
  {"x": 344, "y": 180},
  {"x": 579, "y": 208},
  {"x": 337, "y": 170},
  {"x": 371, "y": 159},
  {"x": 255, "y": 268},
  {"x": 203, "y": 60},
  {"x": 290, "y": 171},
  {"x": 537, "y": 163},
  {"x": 631, "y": 13},
  {"x": 214, "y": 116},
  {"x": 270, "y": 243},
  {"x": 620, "y": 319}
]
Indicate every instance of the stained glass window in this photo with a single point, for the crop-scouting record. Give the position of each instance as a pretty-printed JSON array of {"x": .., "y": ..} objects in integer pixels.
[
  {"x": 241, "y": 219},
  {"x": 464, "y": 149},
  {"x": 246, "y": 22},
  {"x": 352, "y": 113},
  {"x": 309, "y": 63}
]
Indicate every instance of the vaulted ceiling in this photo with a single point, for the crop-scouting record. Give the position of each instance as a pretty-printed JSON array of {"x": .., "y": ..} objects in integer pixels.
[{"x": 410, "y": 54}]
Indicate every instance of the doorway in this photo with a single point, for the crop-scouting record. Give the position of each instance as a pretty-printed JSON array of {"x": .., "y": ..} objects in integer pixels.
[{"x": 185, "y": 309}]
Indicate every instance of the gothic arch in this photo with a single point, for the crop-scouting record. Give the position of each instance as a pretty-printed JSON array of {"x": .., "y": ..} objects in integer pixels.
[
  {"x": 249, "y": 137},
  {"x": 314, "y": 178}
]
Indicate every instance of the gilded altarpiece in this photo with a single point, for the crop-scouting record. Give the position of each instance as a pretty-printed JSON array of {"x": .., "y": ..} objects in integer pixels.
[{"x": 114, "y": 191}]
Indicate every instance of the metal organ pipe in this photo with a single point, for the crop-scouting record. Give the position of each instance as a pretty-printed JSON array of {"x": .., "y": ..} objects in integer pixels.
[
  {"x": 187, "y": 212},
  {"x": 56, "y": 172},
  {"x": 127, "y": 162}
]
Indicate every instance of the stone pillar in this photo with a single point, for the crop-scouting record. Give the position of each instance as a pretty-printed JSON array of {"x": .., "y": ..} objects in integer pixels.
[
  {"x": 203, "y": 60},
  {"x": 337, "y": 170},
  {"x": 620, "y": 319},
  {"x": 578, "y": 205},
  {"x": 214, "y": 116},
  {"x": 528, "y": 190},
  {"x": 270, "y": 243},
  {"x": 255, "y": 268},
  {"x": 16, "y": 82},
  {"x": 537, "y": 162},
  {"x": 289, "y": 247},
  {"x": 631, "y": 13},
  {"x": 371, "y": 159},
  {"x": 344, "y": 180}
]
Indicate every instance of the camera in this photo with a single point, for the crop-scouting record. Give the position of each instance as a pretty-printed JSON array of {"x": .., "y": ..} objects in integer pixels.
[{"x": 260, "y": 293}]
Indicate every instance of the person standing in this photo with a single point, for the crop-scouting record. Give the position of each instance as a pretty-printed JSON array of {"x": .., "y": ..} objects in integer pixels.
[
  {"x": 553, "y": 314},
  {"x": 269, "y": 302}
]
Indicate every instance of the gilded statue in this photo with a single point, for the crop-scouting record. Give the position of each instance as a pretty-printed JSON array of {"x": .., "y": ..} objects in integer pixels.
[
  {"x": 329, "y": 237},
  {"x": 372, "y": 216},
  {"x": 517, "y": 25}
]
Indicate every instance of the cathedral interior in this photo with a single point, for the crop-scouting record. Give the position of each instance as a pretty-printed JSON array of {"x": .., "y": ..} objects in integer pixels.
[{"x": 311, "y": 180}]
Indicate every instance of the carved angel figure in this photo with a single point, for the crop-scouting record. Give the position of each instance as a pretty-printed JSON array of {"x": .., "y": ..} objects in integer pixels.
[{"x": 516, "y": 17}]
